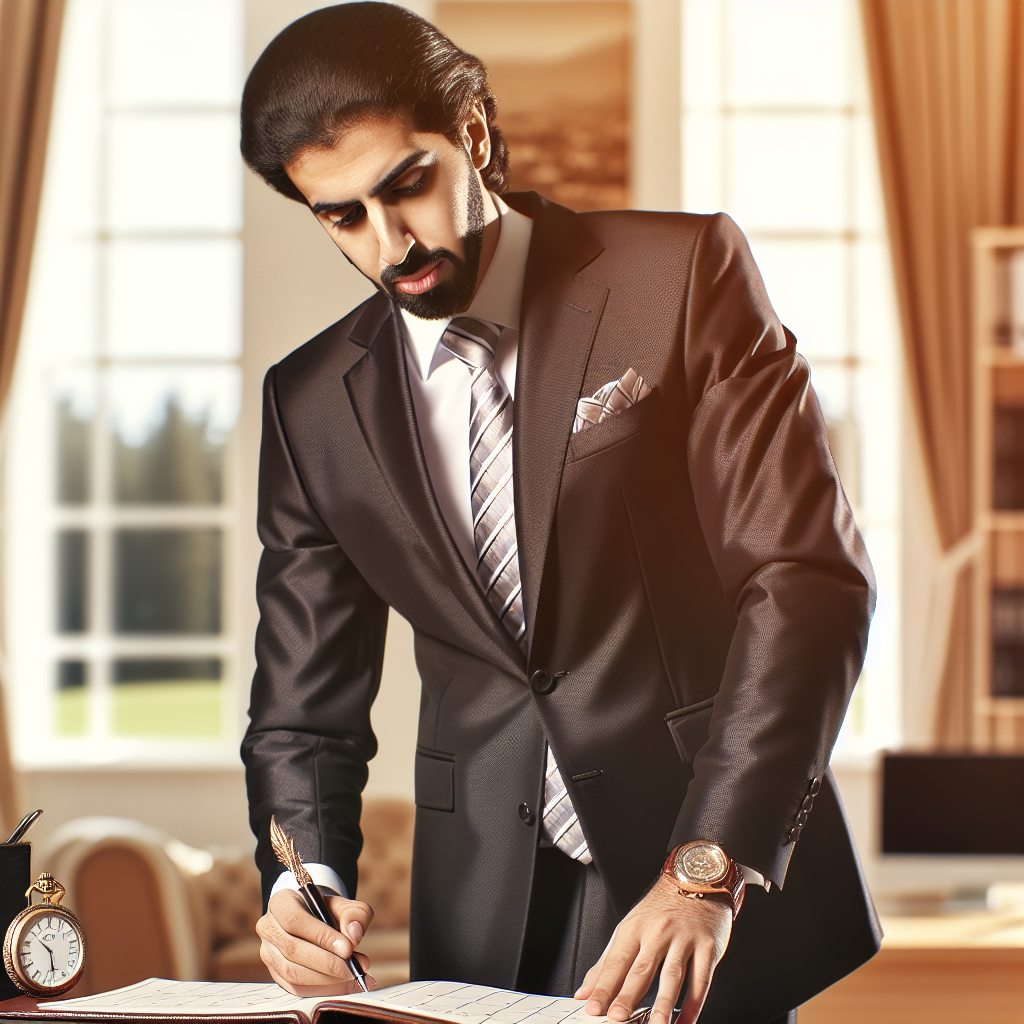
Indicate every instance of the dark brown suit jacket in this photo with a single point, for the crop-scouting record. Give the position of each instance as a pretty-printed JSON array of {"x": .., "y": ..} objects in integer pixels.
[{"x": 693, "y": 581}]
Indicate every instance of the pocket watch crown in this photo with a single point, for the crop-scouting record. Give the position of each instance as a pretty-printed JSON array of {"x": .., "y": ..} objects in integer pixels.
[{"x": 47, "y": 886}]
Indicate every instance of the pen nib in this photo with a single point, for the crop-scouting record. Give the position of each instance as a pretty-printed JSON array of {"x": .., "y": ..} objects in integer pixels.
[{"x": 284, "y": 850}]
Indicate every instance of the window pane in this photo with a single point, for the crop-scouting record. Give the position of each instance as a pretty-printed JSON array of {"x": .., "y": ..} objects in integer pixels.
[
  {"x": 702, "y": 54},
  {"x": 74, "y": 441},
  {"x": 789, "y": 52},
  {"x": 171, "y": 427},
  {"x": 72, "y": 711},
  {"x": 72, "y": 581},
  {"x": 789, "y": 172},
  {"x": 167, "y": 581},
  {"x": 808, "y": 284},
  {"x": 167, "y": 697},
  {"x": 174, "y": 172},
  {"x": 176, "y": 51},
  {"x": 177, "y": 299}
]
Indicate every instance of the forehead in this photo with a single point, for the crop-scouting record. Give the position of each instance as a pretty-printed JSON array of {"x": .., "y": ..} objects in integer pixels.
[{"x": 362, "y": 156}]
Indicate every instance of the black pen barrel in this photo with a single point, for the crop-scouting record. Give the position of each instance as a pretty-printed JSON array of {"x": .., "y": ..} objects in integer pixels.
[{"x": 317, "y": 906}]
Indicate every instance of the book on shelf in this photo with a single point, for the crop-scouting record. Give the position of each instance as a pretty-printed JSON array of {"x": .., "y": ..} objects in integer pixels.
[
  {"x": 418, "y": 1002},
  {"x": 1007, "y": 679},
  {"x": 1008, "y": 451}
]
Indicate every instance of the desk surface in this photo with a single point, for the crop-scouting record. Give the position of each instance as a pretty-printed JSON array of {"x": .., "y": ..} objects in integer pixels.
[{"x": 972, "y": 929}]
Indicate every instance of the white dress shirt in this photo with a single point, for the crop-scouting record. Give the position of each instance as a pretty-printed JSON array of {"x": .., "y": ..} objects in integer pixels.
[{"x": 440, "y": 386}]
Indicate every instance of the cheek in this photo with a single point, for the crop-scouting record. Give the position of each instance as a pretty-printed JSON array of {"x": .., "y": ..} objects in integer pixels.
[
  {"x": 460, "y": 207},
  {"x": 363, "y": 252}
]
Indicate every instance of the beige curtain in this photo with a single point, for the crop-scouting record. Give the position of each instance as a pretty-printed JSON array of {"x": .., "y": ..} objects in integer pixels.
[
  {"x": 946, "y": 81},
  {"x": 29, "y": 41}
]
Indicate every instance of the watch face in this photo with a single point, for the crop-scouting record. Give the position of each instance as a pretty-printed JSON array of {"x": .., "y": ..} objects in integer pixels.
[
  {"x": 702, "y": 863},
  {"x": 46, "y": 950}
]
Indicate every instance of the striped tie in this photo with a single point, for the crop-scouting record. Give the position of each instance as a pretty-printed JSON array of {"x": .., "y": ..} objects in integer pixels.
[{"x": 494, "y": 532}]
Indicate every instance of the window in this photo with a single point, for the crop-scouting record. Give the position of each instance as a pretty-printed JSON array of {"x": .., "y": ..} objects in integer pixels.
[
  {"x": 778, "y": 132},
  {"x": 120, "y": 473}
]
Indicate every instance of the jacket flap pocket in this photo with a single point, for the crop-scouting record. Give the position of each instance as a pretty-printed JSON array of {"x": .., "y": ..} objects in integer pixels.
[
  {"x": 435, "y": 780},
  {"x": 689, "y": 727}
]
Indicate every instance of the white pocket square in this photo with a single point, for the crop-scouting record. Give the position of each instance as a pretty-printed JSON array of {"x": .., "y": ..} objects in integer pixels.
[{"x": 615, "y": 397}]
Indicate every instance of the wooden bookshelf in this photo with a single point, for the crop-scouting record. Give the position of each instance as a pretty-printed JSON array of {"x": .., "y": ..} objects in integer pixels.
[{"x": 998, "y": 455}]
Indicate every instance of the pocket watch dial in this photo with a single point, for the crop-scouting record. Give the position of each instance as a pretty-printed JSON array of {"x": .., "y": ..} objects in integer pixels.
[{"x": 50, "y": 951}]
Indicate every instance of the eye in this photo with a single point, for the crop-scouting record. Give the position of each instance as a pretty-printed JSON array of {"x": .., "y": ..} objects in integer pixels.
[
  {"x": 414, "y": 183},
  {"x": 351, "y": 217}
]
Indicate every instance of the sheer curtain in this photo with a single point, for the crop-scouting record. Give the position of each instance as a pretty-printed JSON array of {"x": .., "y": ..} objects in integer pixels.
[
  {"x": 946, "y": 81},
  {"x": 29, "y": 41}
]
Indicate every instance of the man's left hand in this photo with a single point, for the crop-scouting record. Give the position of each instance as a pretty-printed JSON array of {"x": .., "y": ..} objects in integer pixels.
[{"x": 689, "y": 936}]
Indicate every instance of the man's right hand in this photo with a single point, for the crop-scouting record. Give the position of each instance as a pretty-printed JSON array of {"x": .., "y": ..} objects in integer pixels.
[{"x": 305, "y": 956}]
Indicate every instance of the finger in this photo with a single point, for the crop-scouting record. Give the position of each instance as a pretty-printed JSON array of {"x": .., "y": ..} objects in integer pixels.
[
  {"x": 302, "y": 980},
  {"x": 299, "y": 951},
  {"x": 702, "y": 970},
  {"x": 289, "y": 910},
  {"x": 353, "y": 921},
  {"x": 673, "y": 971},
  {"x": 590, "y": 980},
  {"x": 637, "y": 982},
  {"x": 618, "y": 959}
]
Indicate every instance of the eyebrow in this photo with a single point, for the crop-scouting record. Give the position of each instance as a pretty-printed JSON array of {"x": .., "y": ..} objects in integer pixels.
[{"x": 396, "y": 172}]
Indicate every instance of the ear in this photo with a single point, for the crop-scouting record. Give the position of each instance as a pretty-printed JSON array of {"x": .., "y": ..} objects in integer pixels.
[{"x": 476, "y": 137}]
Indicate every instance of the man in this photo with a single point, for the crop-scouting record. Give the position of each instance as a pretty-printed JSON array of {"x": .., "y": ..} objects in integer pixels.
[{"x": 580, "y": 454}]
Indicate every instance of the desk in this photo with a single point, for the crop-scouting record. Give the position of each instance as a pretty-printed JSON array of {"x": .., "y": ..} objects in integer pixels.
[{"x": 960, "y": 968}]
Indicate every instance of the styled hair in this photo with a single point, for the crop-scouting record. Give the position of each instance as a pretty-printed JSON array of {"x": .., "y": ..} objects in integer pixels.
[{"x": 342, "y": 65}]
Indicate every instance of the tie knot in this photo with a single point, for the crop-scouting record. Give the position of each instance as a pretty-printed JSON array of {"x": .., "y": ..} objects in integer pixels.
[{"x": 471, "y": 340}]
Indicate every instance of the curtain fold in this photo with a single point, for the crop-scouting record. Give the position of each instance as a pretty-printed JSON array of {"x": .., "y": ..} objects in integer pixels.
[
  {"x": 29, "y": 43},
  {"x": 946, "y": 83}
]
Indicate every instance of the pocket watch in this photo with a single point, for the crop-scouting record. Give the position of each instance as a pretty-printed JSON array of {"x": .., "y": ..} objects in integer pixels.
[{"x": 44, "y": 949}]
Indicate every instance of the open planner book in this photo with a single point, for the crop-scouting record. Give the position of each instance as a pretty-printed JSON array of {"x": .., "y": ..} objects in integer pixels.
[{"x": 451, "y": 1002}]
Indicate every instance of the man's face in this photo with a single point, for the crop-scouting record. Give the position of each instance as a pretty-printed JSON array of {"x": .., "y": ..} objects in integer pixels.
[{"x": 405, "y": 207}]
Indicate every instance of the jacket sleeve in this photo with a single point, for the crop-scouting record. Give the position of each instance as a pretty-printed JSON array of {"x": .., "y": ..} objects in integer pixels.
[
  {"x": 787, "y": 551},
  {"x": 319, "y": 652}
]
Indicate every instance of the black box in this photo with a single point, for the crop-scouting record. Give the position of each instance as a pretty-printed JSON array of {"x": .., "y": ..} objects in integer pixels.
[
  {"x": 15, "y": 878},
  {"x": 953, "y": 803}
]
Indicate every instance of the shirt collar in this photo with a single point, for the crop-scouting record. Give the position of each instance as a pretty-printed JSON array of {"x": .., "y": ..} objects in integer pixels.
[{"x": 498, "y": 299}]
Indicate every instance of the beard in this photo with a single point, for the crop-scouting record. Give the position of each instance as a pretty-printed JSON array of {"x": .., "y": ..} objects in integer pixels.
[{"x": 453, "y": 295}]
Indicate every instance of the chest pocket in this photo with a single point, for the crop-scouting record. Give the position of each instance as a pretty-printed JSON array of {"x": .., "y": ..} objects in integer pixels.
[{"x": 616, "y": 429}]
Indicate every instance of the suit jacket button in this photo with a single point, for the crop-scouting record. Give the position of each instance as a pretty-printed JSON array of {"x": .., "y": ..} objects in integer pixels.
[
  {"x": 814, "y": 787},
  {"x": 526, "y": 814},
  {"x": 541, "y": 682}
]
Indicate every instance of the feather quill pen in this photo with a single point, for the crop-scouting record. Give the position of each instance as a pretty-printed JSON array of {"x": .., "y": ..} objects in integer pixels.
[{"x": 284, "y": 849}]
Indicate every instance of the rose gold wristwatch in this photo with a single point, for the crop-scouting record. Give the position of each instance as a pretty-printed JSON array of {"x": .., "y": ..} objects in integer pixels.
[{"x": 700, "y": 868}]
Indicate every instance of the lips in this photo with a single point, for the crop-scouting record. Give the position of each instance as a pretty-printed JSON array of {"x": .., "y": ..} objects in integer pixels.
[{"x": 423, "y": 281}]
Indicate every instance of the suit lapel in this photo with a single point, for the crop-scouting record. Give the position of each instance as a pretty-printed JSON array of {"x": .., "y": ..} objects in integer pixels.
[
  {"x": 378, "y": 388},
  {"x": 558, "y": 322}
]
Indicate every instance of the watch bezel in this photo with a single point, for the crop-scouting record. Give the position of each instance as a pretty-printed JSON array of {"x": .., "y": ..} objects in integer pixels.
[
  {"x": 12, "y": 941},
  {"x": 687, "y": 879}
]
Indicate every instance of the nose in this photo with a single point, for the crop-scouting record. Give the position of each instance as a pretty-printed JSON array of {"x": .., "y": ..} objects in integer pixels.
[{"x": 393, "y": 237}]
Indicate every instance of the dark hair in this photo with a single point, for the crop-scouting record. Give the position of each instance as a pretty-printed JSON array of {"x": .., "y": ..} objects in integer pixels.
[{"x": 340, "y": 65}]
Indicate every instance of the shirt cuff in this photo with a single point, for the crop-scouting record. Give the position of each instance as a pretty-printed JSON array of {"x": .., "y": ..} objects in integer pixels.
[
  {"x": 752, "y": 877},
  {"x": 322, "y": 875}
]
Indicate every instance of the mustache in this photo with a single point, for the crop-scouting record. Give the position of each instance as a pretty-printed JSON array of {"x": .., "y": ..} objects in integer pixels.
[{"x": 415, "y": 260}]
